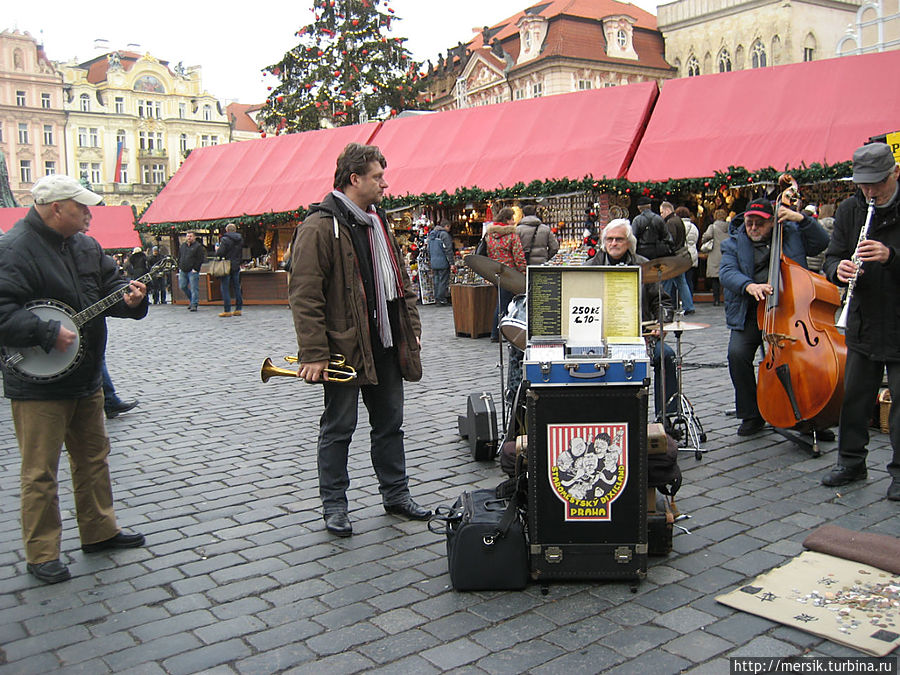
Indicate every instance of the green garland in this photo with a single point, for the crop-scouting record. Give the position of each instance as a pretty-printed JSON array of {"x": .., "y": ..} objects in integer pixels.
[{"x": 734, "y": 176}]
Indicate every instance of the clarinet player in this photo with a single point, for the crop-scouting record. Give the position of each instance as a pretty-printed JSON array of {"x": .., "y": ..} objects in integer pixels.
[{"x": 873, "y": 314}]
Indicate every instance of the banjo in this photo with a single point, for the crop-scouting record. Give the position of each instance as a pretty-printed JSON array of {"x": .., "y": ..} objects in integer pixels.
[{"x": 36, "y": 365}]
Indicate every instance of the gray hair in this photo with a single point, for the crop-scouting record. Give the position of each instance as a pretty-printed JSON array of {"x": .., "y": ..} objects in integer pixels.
[{"x": 629, "y": 233}]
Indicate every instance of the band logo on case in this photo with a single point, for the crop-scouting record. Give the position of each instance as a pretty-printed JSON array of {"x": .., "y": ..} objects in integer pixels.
[{"x": 587, "y": 468}]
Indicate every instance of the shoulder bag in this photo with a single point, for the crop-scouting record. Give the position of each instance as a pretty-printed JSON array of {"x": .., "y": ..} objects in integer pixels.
[{"x": 219, "y": 268}]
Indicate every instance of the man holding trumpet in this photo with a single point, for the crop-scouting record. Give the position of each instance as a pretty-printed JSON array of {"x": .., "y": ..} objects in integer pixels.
[
  {"x": 865, "y": 254},
  {"x": 350, "y": 295}
]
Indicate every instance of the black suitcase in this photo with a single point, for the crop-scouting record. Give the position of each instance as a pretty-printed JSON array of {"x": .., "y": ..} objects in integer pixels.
[
  {"x": 587, "y": 482},
  {"x": 479, "y": 426}
]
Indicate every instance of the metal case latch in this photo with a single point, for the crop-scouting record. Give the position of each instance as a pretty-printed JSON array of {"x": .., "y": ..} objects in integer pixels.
[
  {"x": 629, "y": 369},
  {"x": 623, "y": 554},
  {"x": 545, "y": 370},
  {"x": 553, "y": 554}
]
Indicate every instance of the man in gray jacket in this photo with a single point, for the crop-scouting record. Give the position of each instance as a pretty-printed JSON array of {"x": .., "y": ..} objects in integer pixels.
[{"x": 538, "y": 240}]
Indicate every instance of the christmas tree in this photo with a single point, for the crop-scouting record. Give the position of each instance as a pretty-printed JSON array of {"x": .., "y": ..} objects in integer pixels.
[{"x": 345, "y": 70}]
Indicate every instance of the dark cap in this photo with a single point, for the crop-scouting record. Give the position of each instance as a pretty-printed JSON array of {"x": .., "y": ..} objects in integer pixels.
[
  {"x": 761, "y": 208},
  {"x": 872, "y": 163},
  {"x": 643, "y": 201}
]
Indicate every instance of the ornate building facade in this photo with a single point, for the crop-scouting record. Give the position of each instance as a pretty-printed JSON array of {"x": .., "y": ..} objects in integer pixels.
[
  {"x": 876, "y": 28},
  {"x": 122, "y": 121},
  {"x": 550, "y": 48},
  {"x": 32, "y": 120},
  {"x": 713, "y": 36}
]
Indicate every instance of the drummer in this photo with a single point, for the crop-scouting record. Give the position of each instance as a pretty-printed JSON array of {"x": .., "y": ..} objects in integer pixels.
[{"x": 617, "y": 247}]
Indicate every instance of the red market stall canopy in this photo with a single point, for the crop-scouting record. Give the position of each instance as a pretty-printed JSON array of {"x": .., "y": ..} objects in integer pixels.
[
  {"x": 268, "y": 175},
  {"x": 594, "y": 132},
  {"x": 781, "y": 117},
  {"x": 112, "y": 226}
]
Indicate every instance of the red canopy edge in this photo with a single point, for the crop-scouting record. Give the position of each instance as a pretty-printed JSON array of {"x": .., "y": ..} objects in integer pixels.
[
  {"x": 268, "y": 175},
  {"x": 780, "y": 117},
  {"x": 589, "y": 133},
  {"x": 112, "y": 226}
]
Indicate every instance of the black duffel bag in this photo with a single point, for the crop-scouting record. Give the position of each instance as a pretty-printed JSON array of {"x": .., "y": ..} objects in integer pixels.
[{"x": 486, "y": 548}]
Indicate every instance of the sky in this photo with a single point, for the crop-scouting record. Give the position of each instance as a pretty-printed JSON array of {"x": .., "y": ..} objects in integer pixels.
[{"x": 232, "y": 48}]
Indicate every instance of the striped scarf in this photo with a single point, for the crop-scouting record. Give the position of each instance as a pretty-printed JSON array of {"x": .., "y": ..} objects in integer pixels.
[{"x": 388, "y": 285}]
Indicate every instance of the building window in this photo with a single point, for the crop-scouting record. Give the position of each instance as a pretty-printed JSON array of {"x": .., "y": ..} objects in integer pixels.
[
  {"x": 120, "y": 137},
  {"x": 82, "y": 137},
  {"x": 85, "y": 103},
  {"x": 757, "y": 55},
  {"x": 20, "y": 99},
  {"x": 83, "y": 170},
  {"x": 154, "y": 174},
  {"x": 724, "y": 61},
  {"x": 809, "y": 54},
  {"x": 182, "y": 143},
  {"x": 95, "y": 173},
  {"x": 49, "y": 167},
  {"x": 25, "y": 170},
  {"x": 693, "y": 66},
  {"x": 95, "y": 138},
  {"x": 207, "y": 113},
  {"x": 214, "y": 140},
  {"x": 204, "y": 141},
  {"x": 48, "y": 134},
  {"x": 621, "y": 38},
  {"x": 520, "y": 94},
  {"x": 23, "y": 133},
  {"x": 45, "y": 101},
  {"x": 182, "y": 110},
  {"x": 120, "y": 105},
  {"x": 150, "y": 109},
  {"x": 123, "y": 173},
  {"x": 1, "y": 132},
  {"x": 537, "y": 89},
  {"x": 585, "y": 84}
]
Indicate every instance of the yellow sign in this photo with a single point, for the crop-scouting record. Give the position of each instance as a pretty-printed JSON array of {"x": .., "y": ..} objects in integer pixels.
[{"x": 893, "y": 140}]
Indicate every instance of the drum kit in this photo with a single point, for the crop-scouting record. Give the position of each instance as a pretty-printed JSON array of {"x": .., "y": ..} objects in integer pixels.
[{"x": 682, "y": 422}]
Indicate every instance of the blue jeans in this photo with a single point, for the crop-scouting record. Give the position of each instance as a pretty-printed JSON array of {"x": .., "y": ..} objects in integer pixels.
[
  {"x": 680, "y": 284},
  {"x": 110, "y": 397},
  {"x": 234, "y": 277},
  {"x": 384, "y": 401},
  {"x": 189, "y": 282},
  {"x": 441, "y": 284}
]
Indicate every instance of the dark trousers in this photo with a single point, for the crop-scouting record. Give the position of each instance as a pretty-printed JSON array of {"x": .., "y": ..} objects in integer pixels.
[
  {"x": 384, "y": 401},
  {"x": 441, "y": 284},
  {"x": 505, "y": 298},
  {"x": 742, "y": 348},
  {"x": 671, "y": 379},
  {"x": 716, "y": 289},
  {"x": 862, "y": 379}
]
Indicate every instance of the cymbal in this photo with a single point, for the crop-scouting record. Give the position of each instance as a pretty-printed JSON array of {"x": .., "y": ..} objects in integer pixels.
[
  {"x": 660, "y": 269},
  {"x": 684, "y": 325},
  {"x": 497, "y": 273}
]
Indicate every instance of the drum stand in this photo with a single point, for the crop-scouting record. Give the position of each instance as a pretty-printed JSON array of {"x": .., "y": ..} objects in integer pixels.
[{"x": 683, "y": 420}]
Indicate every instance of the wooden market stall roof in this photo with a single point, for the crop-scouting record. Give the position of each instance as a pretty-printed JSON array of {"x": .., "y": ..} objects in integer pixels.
[
  {"x": 267, "y": 175},
  {"x": 593, "y": 132},
  {"x": 779, "y": 117},
  {"x": 112, "y": 226}
]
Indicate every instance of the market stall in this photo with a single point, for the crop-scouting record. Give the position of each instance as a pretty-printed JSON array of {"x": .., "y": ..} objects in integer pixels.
[{"x": 112, "y": 226}]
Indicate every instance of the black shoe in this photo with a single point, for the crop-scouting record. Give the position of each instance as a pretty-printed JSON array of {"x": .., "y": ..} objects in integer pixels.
[
  {"x": 751, "y": 426},
  {"x": 408, "y": 509},
  {"x": 192, "y": 309},
  {"x": 116, "y": 409},
  {"x": 51, "y": 572},
  {"x": 688, "y": 312},
  {"x": 893, "y": 492},
  {"x": 338, "y": 524},
  {"x": 121, "y": 540},
  {"x": 826, "y": 435},
  {"x": 841, "y": 475}
]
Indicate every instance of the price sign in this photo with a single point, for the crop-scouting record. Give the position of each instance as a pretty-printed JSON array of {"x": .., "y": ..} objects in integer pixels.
[{"x": 585, "y": 322}]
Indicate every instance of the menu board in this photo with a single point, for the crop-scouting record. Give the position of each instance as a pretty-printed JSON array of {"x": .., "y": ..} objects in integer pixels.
[{"x": 553, "y": 292}]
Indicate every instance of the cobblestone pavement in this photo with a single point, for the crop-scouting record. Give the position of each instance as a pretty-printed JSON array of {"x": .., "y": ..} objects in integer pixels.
[{"x": 239, "y": 576}]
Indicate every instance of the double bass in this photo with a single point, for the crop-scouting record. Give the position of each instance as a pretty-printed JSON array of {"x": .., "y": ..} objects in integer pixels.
[{"x": 800, "y": 384}]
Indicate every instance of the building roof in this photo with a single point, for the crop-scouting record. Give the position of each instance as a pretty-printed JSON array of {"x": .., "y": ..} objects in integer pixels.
[
  {"x": 112, "y": 226},
  {"x": 99, "y": 65},
  {"x": 243, "y": 121},
  {"x": 782, "y": 116}
]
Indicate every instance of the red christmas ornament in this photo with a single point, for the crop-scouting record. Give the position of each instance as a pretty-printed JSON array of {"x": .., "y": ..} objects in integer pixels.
[
  {"x": 355, "y": 22},
  {"x": 592, "y": 252},
  {"x": 262, "y": 133},
  {"x": 596, "y": 184},
  {"x": 280, "y": 99},
  {"x": 646, "y": 191}
]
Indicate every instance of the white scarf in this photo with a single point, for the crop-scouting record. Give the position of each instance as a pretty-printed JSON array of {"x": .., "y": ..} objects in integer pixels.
[{"x": 385, "y": 267}]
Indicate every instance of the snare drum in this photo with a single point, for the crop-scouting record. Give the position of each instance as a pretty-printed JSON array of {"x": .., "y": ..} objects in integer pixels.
[{"x": 514, "y": 325}]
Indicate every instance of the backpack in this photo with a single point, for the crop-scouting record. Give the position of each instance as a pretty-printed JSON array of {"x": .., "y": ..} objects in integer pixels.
[
  {"x": 663, "y": 472},
  {"x": 649, "y": 244}
]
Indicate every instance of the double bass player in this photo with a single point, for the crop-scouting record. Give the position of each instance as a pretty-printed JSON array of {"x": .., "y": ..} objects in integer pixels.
[
  {"x": 744, "y": 273},
  {"x": 873, "y": 319}
]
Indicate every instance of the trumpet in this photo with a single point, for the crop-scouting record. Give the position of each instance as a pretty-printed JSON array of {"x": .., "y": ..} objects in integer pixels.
[
  {"x": 863, "y": 235},
  {"x": 338, "y": 369}
]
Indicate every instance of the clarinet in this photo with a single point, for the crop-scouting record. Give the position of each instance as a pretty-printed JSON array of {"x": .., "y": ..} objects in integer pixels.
[{"x": 863, "y": 235}]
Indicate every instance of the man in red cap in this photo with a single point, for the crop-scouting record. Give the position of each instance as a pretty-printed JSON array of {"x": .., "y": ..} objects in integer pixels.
[
  {"x": 873, "y": 322},
  {"x": 744, "y": 274}
]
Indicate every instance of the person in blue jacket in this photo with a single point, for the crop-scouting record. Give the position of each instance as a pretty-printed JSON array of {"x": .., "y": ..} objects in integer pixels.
[{"x": 744, "y": 275}]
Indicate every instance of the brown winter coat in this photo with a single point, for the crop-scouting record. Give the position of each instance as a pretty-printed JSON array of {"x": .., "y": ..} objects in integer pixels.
[{"x": 328, "y": 299}]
